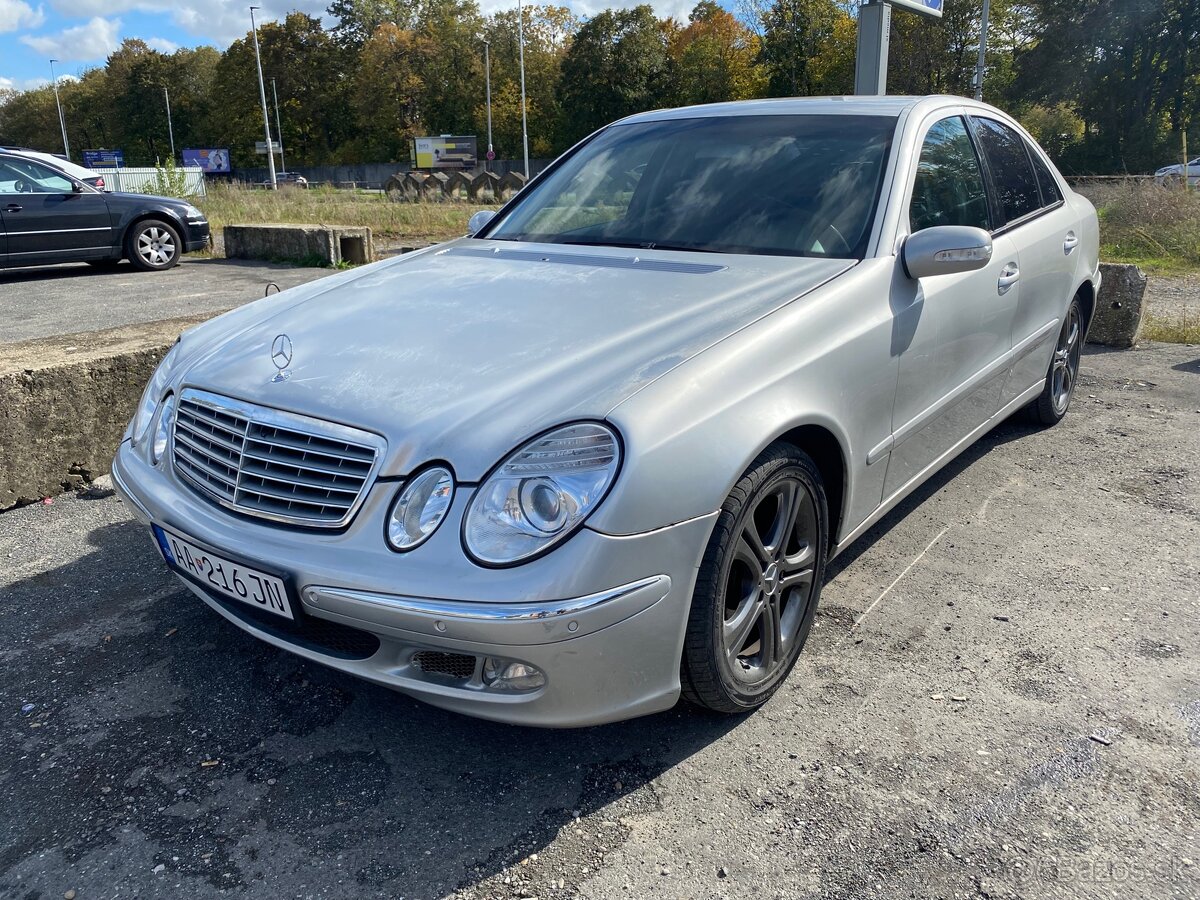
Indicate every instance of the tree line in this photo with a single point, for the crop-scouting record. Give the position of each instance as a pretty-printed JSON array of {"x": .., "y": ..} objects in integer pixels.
[{"x": 1106, "y": 85}]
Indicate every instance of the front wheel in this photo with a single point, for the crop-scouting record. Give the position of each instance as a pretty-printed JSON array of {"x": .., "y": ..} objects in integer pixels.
[
  {"x": 758, "y": 585},
  {"x": 1056, "y": 396},
  {"x": 153, "y": 245}
]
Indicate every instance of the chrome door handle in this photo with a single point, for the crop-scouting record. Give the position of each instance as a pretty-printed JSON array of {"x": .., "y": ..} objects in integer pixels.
[
  {"x": 1009, "y": 276},
  {"x": 1070, "y": 243},
  {"x": 12, "y": 207}
]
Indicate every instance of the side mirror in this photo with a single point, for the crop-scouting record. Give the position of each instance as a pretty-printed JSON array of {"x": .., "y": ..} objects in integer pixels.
[
  {"x": 478, "y": 220},
  {"x": 946, "y": 249},
  {"x": 76, "y": 186}
]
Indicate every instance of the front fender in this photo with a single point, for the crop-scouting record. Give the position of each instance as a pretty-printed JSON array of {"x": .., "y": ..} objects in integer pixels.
[{"x": 828, "y": 359}]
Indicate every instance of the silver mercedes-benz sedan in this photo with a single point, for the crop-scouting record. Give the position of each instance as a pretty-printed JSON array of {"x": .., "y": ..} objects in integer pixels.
[{"x": 598, "y": 453}]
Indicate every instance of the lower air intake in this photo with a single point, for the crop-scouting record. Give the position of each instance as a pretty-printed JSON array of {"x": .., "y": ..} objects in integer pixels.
[{"x": 459, "y": 666}]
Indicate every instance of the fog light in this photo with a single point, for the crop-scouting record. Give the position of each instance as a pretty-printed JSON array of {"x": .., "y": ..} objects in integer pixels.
[{"x": 506, "y": 675}]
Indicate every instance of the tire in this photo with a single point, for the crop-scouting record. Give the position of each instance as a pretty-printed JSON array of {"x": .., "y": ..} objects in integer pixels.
[
  {"x": 1063, "y": 374},
  {"x": 758, "y": 586},
  {"x": 153, "y": 245}
]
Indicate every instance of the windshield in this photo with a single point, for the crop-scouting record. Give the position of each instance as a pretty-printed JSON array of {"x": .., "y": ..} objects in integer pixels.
[{"x": 801, "y": 185}]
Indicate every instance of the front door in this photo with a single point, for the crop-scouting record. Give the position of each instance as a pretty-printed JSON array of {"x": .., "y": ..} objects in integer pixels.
[
  {"x": 46, "y": 219},
  {"x": 958, "y": 328}
]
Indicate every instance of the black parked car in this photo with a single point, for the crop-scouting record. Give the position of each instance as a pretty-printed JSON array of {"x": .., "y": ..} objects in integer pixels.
[{"x": 46, "y": 216}]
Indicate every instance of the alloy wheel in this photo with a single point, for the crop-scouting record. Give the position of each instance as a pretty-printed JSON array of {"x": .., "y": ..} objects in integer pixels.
[
  {"x": 770, "y": 580},
  {"x": 1065, "y": 368},
  {"x": 156, "y": 245}
]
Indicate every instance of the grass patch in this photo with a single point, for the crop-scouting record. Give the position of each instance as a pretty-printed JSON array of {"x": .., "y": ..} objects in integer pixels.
[
  {"x": 1157, "y": 228},
  {"x": 418, "y": 223},
  {"x": 1183, "y": 330}
]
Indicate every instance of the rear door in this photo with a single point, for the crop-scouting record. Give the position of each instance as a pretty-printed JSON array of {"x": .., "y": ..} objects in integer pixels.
[
  {"x": 1046, "y": 234},
  {"x": 46, "y": 220}
]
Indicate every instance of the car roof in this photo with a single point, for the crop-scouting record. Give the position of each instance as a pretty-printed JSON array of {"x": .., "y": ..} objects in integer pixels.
[
  {"x": 64, "y": 165},
  {"x": 892, "y": 106}
]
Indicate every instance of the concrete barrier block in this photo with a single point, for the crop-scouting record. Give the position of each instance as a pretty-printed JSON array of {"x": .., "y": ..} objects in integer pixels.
[
  {"x": 65, "y": 402},
  {"x": 1120, "y": 306},
  {"x": 325, "y": 245}
]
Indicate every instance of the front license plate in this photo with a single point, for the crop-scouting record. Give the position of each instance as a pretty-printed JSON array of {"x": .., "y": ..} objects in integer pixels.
[{"x": 226, "y": 577}]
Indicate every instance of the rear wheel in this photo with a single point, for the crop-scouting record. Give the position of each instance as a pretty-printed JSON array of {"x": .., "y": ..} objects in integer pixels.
[
  {"x": 758, "y": 585},
  {"x": 1056, "y": 396},
  {"x": 153, "y": 245}
]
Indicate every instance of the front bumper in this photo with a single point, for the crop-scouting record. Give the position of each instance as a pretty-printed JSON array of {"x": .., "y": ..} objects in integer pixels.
[
  {"x": 197, "y": 237},
  {"x": 603, "y": 617}
]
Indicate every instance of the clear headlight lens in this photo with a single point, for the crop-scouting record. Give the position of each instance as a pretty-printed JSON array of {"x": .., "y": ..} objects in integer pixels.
[
  {"x": 541, "y": 493},
  {"x": 162, "y": 432},
  {"x": 151, "y": 397},
  {"x": 419, "y": 508}
]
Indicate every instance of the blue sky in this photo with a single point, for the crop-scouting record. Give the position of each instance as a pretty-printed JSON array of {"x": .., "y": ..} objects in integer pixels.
[{"x": 81, "y": 33}]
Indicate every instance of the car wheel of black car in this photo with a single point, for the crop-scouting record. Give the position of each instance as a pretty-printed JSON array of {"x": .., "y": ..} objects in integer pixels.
[
  {"x": 1052, "y": 405},
  {"x": 153, "y": 245},
  {"x": 758, "y": 585}
]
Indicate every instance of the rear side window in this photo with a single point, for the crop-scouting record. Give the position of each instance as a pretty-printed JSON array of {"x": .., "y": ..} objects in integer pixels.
[
  {"x": 1012, "y": 172},
  {"x": 1050, "y": 192},
  {"x": 948, "y": 189}
]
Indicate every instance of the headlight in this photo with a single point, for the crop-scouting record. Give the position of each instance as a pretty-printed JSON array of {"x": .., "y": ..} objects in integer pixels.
[
  {"x": 162, "y": 431},
  {"x": 190, "y": 212},
  {"x": 150, "y": 398},
  {"x": 541, "y": 493},
  {"x": 420, "y": 508}
]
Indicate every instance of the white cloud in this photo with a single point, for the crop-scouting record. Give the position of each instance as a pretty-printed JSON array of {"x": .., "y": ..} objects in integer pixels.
[
  {"x": 91, "y": 41},
  {"x": 16, "y": 14},
  {"x": 162, "y": 45},
  {"x": 225, "y": 21}
]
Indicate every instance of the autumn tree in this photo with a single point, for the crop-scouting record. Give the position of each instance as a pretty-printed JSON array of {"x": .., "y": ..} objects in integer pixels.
[{"x": 714, "y": 57}]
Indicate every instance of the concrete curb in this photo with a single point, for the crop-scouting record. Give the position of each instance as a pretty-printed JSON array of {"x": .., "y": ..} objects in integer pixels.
[
  {"x": 1120, "y": 307},
  {"x": 65, "y": 402}
]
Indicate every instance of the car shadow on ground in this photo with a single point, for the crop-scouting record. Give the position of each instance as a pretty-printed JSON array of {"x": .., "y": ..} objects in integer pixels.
[{"x": 233, "y": 760}]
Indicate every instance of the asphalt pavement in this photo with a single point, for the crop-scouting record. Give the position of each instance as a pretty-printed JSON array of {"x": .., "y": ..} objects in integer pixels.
[
  {"x": 52, "y": 300},
  {"x": 1001, "y": 698}
]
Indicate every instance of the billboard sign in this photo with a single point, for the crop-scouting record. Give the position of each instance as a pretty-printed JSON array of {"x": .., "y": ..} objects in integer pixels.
[
  {"x": 213, "y": 160},
  {"x": 103, "y": 159},
  {"x": 445, "y": 152},
  {"x": 929, "y": 7}
]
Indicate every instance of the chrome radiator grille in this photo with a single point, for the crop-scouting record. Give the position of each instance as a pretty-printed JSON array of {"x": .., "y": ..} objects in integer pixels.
[{"x": 267, "y": 463}]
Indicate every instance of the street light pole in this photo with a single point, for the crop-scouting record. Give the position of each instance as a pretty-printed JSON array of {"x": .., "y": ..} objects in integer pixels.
[
  {"x": 278, "y": 127},
  {"x": 487, "y": 70},
  {"x": 262, "y": 96},
  {"x": 524, "y": 121},
  {"x": 61, "y": 121},
  {"x": 981, "y": 64},
  {"x": 170, "y": 127}
]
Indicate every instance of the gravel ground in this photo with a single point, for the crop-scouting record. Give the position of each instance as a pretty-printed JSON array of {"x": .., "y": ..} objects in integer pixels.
[
  {"x": 75, "y": 297},
  {"x": 1174, "y": 297},
  {"x": 1001, "y": 699}
]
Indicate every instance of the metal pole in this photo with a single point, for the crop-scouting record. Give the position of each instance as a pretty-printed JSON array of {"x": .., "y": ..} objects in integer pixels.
[
  {"x": 61, "y": 121},
  {"x": 981, "y": 64},
  {"x": 262, "y": 96},
  {"x": 870, "y": 67},
  {"x": 278, "y": 127},
  {"x": 170, "y": 127},
  {"x": 487, "y": 69},
  {"x": 521, "y": 44}
]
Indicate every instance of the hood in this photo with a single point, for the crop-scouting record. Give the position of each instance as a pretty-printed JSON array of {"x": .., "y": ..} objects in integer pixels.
[{"x": 464, "y": 351}]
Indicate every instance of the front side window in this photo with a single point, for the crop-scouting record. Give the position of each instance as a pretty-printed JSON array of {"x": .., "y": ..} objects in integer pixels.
[
  {"x": 948, "y": 188},
  {"x": 795, "y": 185},
  {"x": 22, "y": 176},
  {"x": 1012, "y": 172}
]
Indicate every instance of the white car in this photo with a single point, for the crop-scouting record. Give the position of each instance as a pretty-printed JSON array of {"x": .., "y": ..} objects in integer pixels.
[
  {"x": 596, "y": 454},
  {"x": 1174, "y": 175},
  {"x": 79, "y": 173}
]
